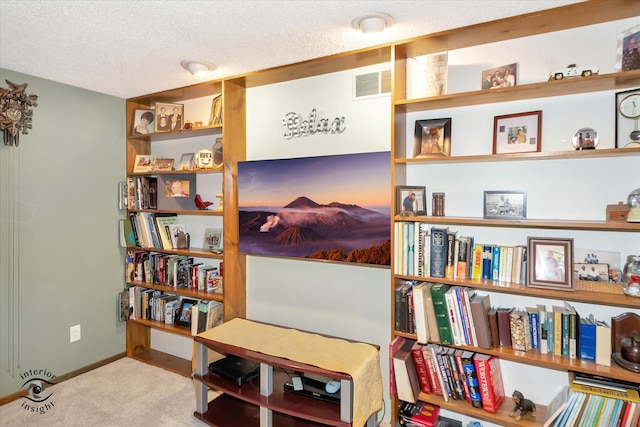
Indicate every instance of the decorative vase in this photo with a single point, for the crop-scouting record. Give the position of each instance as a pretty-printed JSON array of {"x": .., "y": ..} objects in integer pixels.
[{"x": 631, "y": 276}]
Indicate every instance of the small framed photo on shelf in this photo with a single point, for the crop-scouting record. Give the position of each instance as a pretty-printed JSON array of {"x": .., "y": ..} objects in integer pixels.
[
  {"x": 143, "y": 163},
  {"x": 215, "y": 118},
  {"x": 591, "y": 272},
  {"x": 163, "y": 165},
  {"x": 432, "y": 138},
  {"x": 212, "y": 240},
  {"x": 411, "y": 200},
  {"x": 186, "y": 162},
  {"x": 517, "y": 133},
  {"x": 504, "y": 76},
  {"x": 550, "y": 263},
  {"x": 183, "y": 317},
  {"x": 142, "y": 122},
  {"x": 628, "y": 50},
  {"x": 168, "y": 117},
  {"x": 505, "y": 204}
]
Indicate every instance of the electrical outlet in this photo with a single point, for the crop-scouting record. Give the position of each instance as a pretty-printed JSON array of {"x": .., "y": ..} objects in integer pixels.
[{"x": 74, "y": 333}]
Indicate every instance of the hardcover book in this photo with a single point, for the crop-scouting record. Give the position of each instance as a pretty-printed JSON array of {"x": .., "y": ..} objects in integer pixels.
[
  {"x": 504, "y": 327},
  {"x": 480, "y": 306},
  {"x": 421, "y": 300},
  {"x": 394, "y": 346},
  {"x": 603, "y": 343},
  {"x": 534, "y": 327},
  {"x": 442, "y": 314},
  {"x": 406, "y": 374},
  {"x": 418, "y": 414},
  {"x": 421, "y": 367},
  {"x": 450, "y": 267},
  {"x": 520, "y": 330},
  {"x": 493, "y": 326},
  {"x": 438, "y": 251},
  {"x": 587, "y": 338},
  {"x": 471, "y": 378},
  {"x": 454, "y": 316},
  {"x": 432, "y": 365},
  {"x": 489, "y": 381},
  {"x": 487, "y": 257}
]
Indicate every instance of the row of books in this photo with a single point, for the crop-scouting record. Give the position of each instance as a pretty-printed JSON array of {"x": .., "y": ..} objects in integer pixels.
[
  {"x": 445, "y": 371},
  {"x": 177, "y": 271},
  {"x": 574, "y": 408},
  {"x": 155, "y": 230},
  {"x": 440, "y": 252},
  {"x": 142, "y": 192},
  {"x": 458, "y": 315},
  {"x": 152, "y": 304}
]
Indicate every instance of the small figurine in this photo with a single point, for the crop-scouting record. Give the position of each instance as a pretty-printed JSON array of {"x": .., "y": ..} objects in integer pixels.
[
  {"x": 201, "y": 204},
  {"x": 219, "y": 196},
  {"x": 522, "y": 406}
]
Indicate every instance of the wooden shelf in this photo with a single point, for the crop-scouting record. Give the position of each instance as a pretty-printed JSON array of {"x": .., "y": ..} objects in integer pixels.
[
  {"x": 570, "y": 86},
  {"x": 166, "y": 327},
  {"x": 218, "y": 169},
  {"x": 199, "y": 212},
  {"x": 501, "y": 417},
  {"x": 549, "y": 155},
  {"x": 194, "y": 252},
  {"x": 166, "y": 361},
  {"x": 560, "y": 224},
  {"x": 178, "y": 134},
  {"x": 187, "y": 292}
]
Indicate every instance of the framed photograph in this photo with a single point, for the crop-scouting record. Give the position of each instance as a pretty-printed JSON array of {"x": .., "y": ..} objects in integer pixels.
[
  {"x": 591, "y": 272},
  {"x": 215, "y": 118},
  {"x": 186, "y": 162},
  {"x": 627, "y": 117},
  {"x": 504, "y": 76},
  {"x": 411, "y": 200},
  {"x": 178, "y": 188},
  {"x": 550, "y": 263},
  {"x": 585, "y": 139},
  {"x": 517, "y": 133},
  {"x": 163, "y": 165},
  {"x": 432, "y": 138},
  {"x": 143, "y": 163},
  {"x": 505, "y": 204},
  {"x": 183, "y": 317},
  {"x": 628, "y": 50},
  {"x": 142, "y": 122},
  {"x": 212, "y": 239},
  {"x": 168, "y": 117}
]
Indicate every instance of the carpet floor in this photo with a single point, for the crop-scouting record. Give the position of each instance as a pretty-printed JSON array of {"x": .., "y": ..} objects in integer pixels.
[{"x": 122, "y": 393}]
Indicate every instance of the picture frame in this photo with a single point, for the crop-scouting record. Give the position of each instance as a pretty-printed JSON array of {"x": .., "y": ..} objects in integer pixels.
[
  {"x": 585, "y": 139},
  {"x": 186, "y": 162},
  {"x": 143, "y": 122},
  {"x": 499, "y": 77},
  {"x": 591, "y": 272},
  {"x": 517, "y": 133},
  {"x": 626, "y": 126},
  {"x": 628, "y": 49},
  {"x": 161, "y": 164},
  {"x": 143, "y": 163},
  {"x": 505, "y": 204},
  {"x": 183, "y": 316},
  {"x": 419, "y": 202},
  {"x": 169, "y": 117},
  {"x": 212, "y": 240},
  {"x": 215, "y": 118},
  {"x": 432, "y": 138},
  {"x": 550, "y": 263}
]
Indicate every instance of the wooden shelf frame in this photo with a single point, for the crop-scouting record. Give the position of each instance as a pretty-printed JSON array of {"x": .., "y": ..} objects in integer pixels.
[{"x": 185, "y": 292}]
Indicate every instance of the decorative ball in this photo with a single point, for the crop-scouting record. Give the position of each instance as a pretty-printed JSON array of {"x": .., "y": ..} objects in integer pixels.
[{"x": 634, "y": 198}]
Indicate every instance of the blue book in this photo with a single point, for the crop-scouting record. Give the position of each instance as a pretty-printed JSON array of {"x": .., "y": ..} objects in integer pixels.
[
  {"x": 587, "y": 338},
  {"x": 565, "y": 334},
  {"x": 495, "y": 264},
  {"x": 550, "y": 332},
  {"x": 534, "y": 327},
  {"x": 487, "y": 256}
]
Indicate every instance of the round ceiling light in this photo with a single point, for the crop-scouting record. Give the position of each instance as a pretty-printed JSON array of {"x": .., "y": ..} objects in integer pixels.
[
  {"x": 373, "y": 23},
  {"x": 198, "y": 68}
]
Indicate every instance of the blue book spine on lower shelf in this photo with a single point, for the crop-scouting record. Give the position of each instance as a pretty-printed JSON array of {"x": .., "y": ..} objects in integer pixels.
[{"x": 587, "y": 339}]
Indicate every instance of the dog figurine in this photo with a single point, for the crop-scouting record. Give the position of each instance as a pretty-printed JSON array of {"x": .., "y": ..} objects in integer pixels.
[{"x": 522, "y": 406}]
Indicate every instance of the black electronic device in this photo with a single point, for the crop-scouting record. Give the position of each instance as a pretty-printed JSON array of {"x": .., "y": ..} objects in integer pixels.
[
  {"x": 315, "y": 389},
  {"x": 235, "y": 369}
]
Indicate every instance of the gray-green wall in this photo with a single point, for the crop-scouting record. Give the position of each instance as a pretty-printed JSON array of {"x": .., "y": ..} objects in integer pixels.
[{"x": 68, "y": 268}]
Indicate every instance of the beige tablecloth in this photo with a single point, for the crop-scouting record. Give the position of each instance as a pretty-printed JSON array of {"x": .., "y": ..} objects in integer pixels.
[{"x": 359, "y": 360}]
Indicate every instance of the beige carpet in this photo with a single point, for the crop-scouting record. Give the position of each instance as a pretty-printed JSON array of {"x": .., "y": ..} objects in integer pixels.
[{"x": 123, "y": 393}]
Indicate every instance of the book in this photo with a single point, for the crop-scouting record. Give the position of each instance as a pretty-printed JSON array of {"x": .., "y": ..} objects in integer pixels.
[
  {"x": 493, "y": 326},
  {"x": 441, "y": 312},
  {"x": 603, "y": 386},
  {"x": 463, "y": 379},
  {"x": 421, "y": 300},
  {"x": 504, "y": 328},
  {"x": 451, "y": 256},
  {"x": 520, "y": 330},
  {"x": 516, "y": 267},
  {"x": 215, "y": 314},
  {"x": 445, "y": 379},
  {"x": 575, "y": 410},
  {"x": 561, "y": 420},
  {"x": 557, "y": 329},
  {"x": 603, "y": 343},
  {"x": 471, "y": 378},
  {"x": 456, "y": 374},
  {"x": 557, "y": 405},
  {"x": 534, "y": 327},
  {"x": 462, "y": 266},
  {"x": 477, "y": 256},
  {"x": 465, "y": 295},
  {"x": 435, "y": 378},
  {"x": 394, "y": 346},
  {"x": 487, "y": 267},
  {"x": 587, "y": 331},
  {"x": 550, "y": 332},
  {"x": 489, "y": 381},
  {"x": 406, "y": 375},
  {"x": 421, "y": 367},
  {"x": 438, "y": 251},
  {"x": 419, "y": 414},
  {"x": 574, "y": 322},
  {"x": 495, "y": 263},
  {"x": 454, "y": 316},
  {"x": 543, "y": 332},
  {"x": 480, "y": 306}
]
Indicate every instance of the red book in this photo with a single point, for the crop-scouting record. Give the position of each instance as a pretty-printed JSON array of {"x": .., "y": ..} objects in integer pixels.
[
  {"x": 432, "y": 369},
  {"x": 421, "y": 367},
  {"x": 489, "y": 381},
  {"x": 458, "y": 356},
  {"x": 418, "y": 414}
]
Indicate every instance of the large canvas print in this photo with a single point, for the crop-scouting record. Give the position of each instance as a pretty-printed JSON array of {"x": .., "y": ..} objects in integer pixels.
[{"x": 334, "y": 208}]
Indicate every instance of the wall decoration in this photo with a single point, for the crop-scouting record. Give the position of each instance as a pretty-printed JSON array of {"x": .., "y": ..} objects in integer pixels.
[
  {"x": 517, "y": 133},
  {"x": 169, "y": 117},
  {"x": 16, "y": 112},
  {"x": 142, "y": 122},
  {"x": 628, "y": 50},
  {"x": 550, "y": 263},
  {"x": 505, "y": 204},
  {"x": 411, "y": 200},
  {"x": 163, "y": 165},
  {"x": 432, "y": 138},
  {"x": 504, "y": 76},
  {"x": 295, "y": 126},
  {"x": 215, "y": 117},
  {"x": 327, "y": 208},
  {"x": 627, "y": 117},
  {"x": 143, "y": 163}
]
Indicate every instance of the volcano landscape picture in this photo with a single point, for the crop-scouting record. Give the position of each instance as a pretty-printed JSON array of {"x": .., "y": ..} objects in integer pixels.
[{"x": 334, "y": 208}]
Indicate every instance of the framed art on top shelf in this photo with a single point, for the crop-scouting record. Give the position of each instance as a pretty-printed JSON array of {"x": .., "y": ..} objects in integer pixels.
[
  {"x": 432, "y": 138},
  {"x": 143, "y": 163},
  {"x": 168, "y": 117},
  {"x": 550, "y": 263},
  {"x": 411, "y": 200},
  {"x": 504, "y": 76},
  {"x": 505, "y": 205},
  {"x": 142, "y": 122},
  {"x": 517, "y": 133}
]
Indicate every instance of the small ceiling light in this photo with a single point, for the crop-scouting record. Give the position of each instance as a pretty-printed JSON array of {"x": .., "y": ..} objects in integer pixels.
[
  {"x": 198, "y": 68},
  {"x": 374, "y": 23}
]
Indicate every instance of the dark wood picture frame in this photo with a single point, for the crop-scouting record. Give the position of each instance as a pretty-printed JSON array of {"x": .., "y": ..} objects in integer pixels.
[
  {"x": 183, "y": 316},
  {"x": 432, "y": 138},
  {"x": 505, "y": 204},
  {"x": 550, "y": 263},
  {"x": 420, "y": 201},
  {"x": 517, "y": 133}
]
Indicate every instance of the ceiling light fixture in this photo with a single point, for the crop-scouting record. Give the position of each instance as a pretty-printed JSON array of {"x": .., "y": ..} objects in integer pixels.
[
  {"x": 198, "y": 68},
  {"x": 373, "y": 23}
]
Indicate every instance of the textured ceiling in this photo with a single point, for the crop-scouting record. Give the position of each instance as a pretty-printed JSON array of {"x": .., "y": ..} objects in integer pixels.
[{"x": 134, "y": 47}]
